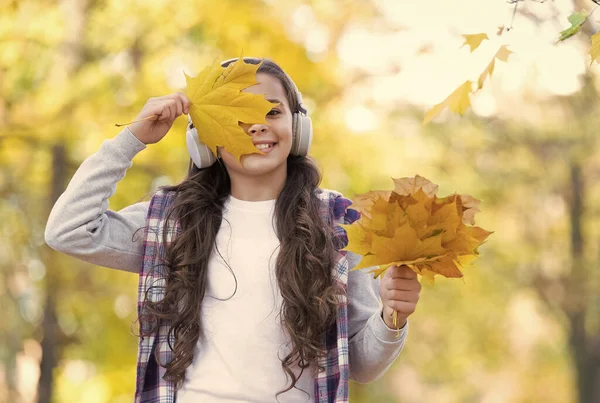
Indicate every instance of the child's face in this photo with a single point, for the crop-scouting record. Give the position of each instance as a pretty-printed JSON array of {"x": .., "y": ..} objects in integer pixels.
[{"x": 277, "y": 135}]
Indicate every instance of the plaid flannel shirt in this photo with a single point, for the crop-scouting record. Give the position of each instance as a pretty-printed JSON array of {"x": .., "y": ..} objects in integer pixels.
[{"x": 331, "y": 385}]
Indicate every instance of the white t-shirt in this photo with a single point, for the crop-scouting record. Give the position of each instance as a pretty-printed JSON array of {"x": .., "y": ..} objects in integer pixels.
[{"x": 239, "y": 352}]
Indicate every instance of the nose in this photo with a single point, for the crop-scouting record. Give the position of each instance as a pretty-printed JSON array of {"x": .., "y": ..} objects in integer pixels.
[{"x": 257, "y": 129}]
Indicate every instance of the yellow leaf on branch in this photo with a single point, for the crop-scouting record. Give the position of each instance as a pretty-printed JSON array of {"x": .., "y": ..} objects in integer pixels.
[
  {"x": 474, "y": 40},
  {"x": 457, "y": 102},
  {"x": 502, "y": 54},
  {"x": 487, "y": 72},
  {"x": 218, "y": 105},
  {"x": 595, "y": 49}
]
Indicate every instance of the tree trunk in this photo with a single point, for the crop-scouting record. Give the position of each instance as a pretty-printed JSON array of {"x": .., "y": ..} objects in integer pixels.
[
  {"x": 50, "y": 328},
  {"x": 71, "y": 60},
  {"x": 585, "y": 348}
]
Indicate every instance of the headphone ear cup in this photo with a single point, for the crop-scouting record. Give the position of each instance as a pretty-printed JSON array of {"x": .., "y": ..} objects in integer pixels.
[
  {"x": 201, "y": 155},
  {"x": 302, "y": 134}
]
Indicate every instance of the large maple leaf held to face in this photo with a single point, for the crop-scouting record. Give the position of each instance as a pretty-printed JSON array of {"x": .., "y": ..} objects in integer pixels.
[
  {"x": 218, "y": 105},
  {"x": 412, "y": 226}
]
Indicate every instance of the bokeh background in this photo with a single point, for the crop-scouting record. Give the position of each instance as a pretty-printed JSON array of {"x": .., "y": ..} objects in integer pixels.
[{"x": 523, "y": 325}]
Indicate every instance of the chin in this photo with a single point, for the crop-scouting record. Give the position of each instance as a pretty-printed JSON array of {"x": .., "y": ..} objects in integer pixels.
[
  {"x": 257, "y": 164},
  {"x": 257, "y": 167}
]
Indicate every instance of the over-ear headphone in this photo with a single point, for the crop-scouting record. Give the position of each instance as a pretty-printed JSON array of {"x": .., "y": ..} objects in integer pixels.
[{"x": 302, "y": 133}]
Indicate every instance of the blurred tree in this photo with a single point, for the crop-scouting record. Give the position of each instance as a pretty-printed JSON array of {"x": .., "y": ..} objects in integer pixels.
[{"x": 68, "y": 72}]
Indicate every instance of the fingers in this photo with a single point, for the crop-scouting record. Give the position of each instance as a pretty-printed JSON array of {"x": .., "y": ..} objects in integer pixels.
[
  {"x": 185, "y": 102},
  {"x": 182, "y": 102},
  {"x": 169, "y": 107},
  {"x": 400, "y": 291},
  {"x": 167, "y": 110},
  {"x": 403, "y": 284},
  {"x": 404, "y": 308},
  {"x": 178, "y": 106},
  {"x": 401, "y": 272},
  {"x": 399, "y": 295}
]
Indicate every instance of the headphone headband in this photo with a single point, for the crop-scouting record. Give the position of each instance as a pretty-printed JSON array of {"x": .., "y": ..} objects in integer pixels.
[{"x": 301, "y": 107}]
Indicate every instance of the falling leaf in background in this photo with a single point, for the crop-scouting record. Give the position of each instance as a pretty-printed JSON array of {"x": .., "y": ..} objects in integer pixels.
[
  {"x": 576, "y": 19},
  {"x": 218, "y": 105},
  {"x": 412, "y": 226},
  {"x": 457, "y": 102},
  {"x": 500, "y": 30},
  {"x": 474, "y": 40},
  {"x": 595, "y": 50},
  {"x": 502, "y": 54}
]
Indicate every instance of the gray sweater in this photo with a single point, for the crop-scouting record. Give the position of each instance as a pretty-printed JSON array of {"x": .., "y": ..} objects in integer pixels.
[{"x": 82, "y": 225}]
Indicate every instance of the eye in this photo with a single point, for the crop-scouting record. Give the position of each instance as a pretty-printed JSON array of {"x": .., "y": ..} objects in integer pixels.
[{"x": 273, "y": 112}]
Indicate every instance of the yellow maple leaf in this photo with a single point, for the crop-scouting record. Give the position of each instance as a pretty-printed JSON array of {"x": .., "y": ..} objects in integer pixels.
[
  {"x": 480, "y": 234},
  {"x": 595, "y": 49},
  {"x": 408, "y": 186},
  {"x": 379, "y": 214},
  {"x": 418, "y": 212},
  {"x": 462, "y": 243},
  {"x": 457, "y": 102},
  {"x": 360, "y": 239},
  {"x": 403, "y": 248},
  {"x": 502, "y": 54},
  {"x": 487, "y": 72},
  {"x": 470, "y": 207},
  {"x": 218, "y": 105},
  {"x": 446, "y": 218},
  {"x": 474, "y": 40},
  {"x": 414, "y": 227},
  {"x": 446, "y": 266},
  {"x": 363, "y": 202}
]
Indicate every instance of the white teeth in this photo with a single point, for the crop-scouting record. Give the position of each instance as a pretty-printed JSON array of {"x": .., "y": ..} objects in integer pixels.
[{"x": 264, "y": 146}]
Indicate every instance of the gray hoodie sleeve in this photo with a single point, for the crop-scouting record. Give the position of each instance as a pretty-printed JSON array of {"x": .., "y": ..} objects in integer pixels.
[
  {"x": 373, "y": 346},
  {"x": 80, "y": 223}
]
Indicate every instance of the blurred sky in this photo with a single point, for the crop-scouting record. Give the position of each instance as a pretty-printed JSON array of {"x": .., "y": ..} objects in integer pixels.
[
  {"x": 418, "y": 57},
  {"x": 414, "y": 55}
]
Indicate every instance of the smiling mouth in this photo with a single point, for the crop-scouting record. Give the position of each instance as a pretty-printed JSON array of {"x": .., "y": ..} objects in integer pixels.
[{"x": 265, "y": 147}]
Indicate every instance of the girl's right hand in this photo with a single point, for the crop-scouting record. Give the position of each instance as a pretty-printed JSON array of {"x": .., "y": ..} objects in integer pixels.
[{"x": 165, "y": 109}]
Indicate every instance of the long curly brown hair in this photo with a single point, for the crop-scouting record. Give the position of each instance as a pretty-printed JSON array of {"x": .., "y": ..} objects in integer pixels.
[{"x": 303, "y": 266}]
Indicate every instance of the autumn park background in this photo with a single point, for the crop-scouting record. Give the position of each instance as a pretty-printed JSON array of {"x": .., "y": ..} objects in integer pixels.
[{"x": 523, "y": 326}]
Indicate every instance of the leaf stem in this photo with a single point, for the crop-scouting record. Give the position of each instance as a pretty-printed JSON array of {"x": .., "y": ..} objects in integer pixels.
[
  {"x": 395, "y": 322},
  {"x": 135, "y": 121}
]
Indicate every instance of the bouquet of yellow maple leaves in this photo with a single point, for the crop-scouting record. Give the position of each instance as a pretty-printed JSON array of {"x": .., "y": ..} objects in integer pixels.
[{"x": 412, "y": 226}]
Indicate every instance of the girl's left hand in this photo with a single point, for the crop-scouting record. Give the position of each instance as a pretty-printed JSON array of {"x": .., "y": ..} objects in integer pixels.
[{"x": 399, "y": 290}]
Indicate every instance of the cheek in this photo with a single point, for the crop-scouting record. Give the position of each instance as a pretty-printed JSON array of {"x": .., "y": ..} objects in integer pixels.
[
  {"x": 228, "y": 159},
  {"x": 284, "y": 130}
]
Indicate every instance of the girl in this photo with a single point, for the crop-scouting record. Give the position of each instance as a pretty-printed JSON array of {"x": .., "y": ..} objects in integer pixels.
[{"x": 244, "y": 293}]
